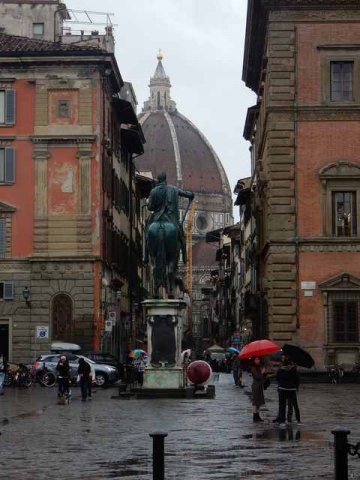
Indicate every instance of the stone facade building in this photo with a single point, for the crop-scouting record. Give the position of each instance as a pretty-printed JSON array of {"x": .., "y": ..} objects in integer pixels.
[
  {"x": 176, "y": 145},
  {"x": 302, "y": 60},
  {"x": 68, "y": 210}
]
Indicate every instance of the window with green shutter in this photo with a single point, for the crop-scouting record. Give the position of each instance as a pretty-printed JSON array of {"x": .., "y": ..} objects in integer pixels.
[
  {"x": 2, "y": 238},
  {"x": 7, "y": 107},
  {"x": 7, "y": 165}
]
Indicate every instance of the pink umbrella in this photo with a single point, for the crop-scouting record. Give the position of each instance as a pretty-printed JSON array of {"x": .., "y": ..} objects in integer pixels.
[{"x": 259, "y": 348}]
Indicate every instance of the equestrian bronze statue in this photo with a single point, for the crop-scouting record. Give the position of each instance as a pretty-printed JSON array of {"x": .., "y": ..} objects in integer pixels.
[{"x": 164, "y": 234}]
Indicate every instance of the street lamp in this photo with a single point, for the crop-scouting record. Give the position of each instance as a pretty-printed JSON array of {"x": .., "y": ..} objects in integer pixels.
[{"x": 26, "y": 294}]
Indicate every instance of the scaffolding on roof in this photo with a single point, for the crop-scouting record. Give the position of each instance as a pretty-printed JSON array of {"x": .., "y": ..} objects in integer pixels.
[{"x": 87, "y": 17}]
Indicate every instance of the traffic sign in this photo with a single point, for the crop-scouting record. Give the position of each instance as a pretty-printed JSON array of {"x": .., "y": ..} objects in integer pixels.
[{"x": 42, "y": 332}]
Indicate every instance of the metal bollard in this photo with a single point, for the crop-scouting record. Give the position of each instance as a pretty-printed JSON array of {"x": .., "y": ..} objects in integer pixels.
[
  {"x": 158, "y": 455},
  {"x": 341, "y": 452}
]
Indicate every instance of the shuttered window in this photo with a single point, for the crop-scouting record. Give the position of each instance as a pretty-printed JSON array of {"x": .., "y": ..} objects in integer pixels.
[
  {"x": 346, "y": 323},
  {"x": 7, "y": 290},
  {"x": 2, "y": 238},
  {"x": 7, "y": 165},
  {"x": 7, "y": 107}
]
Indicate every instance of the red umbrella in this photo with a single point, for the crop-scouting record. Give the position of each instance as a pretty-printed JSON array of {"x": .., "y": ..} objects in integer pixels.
[{"x": 259, "y": 348}]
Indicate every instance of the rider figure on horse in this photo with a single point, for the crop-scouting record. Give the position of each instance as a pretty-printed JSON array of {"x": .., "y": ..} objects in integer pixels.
[{"x": 164, "y": 203}]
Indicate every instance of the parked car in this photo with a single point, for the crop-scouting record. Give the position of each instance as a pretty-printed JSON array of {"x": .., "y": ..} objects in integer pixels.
[
  {"x": 106, "y": 359},
  {"x": 104, "y": 374}
]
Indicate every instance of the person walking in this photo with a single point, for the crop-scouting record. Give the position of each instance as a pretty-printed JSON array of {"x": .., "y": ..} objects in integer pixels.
[
  {"x": 92, "y": 379},
  {"x": 141, "y": 370},
  {"x": 236, "y": 370},
  {"x": 84, "y": 372},
  {"x": 259, "y": 374},
  {"x": 3, "y": 365},
  {"x": 289, "y": 408},
  {"x": 288, "y": 381},
  {"x": 63, "y": 372}
]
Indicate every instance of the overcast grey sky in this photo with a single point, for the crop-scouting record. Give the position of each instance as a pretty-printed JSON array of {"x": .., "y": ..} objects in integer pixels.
[{"x": 203, "y": 44}]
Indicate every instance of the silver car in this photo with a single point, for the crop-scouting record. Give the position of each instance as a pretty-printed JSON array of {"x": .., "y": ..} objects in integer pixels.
[{"x": 104, "y": 374}]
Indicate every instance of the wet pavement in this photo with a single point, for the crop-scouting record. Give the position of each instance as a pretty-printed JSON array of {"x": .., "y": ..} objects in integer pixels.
[{"x": 208, "y": 439}]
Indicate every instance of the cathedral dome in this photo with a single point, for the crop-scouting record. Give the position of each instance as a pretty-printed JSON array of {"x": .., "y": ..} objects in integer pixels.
[{"x": 175, "y": 145}]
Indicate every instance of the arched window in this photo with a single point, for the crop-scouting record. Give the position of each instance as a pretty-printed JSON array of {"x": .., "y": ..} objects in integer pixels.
[{"x": 62, "y": 318}]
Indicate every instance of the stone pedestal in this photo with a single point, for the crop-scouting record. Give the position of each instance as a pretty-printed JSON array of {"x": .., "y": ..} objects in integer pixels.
[{"x": 164, "y": 331}]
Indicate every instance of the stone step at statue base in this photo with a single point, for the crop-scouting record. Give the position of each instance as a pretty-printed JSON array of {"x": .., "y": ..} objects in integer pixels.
[{"x": 189, "y": 392}]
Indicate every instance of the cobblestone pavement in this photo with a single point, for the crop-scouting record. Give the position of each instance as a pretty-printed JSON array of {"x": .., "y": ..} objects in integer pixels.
[{"x": 208, "y": 439}]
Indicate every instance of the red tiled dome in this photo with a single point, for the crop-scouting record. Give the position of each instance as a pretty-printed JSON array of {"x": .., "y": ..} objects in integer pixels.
[{"x": 176, "y": 146}]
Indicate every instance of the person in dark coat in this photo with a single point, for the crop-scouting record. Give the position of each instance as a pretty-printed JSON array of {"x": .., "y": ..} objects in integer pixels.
[
  {"x": 63, "y": 372},
  {"x": 3, "y": 366},
  {"x": 84, "y": 372},
  {"x": 236, "y": 369},
  {"x": 289, "y": 407},
  {"x": 259, "y": 374},
  {"x": 288, "y": 381}
]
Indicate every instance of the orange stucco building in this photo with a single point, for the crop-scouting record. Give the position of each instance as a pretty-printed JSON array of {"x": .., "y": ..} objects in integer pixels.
[
  {"x": 68, "y": 134},
  {"x": 302, "y": 58}
]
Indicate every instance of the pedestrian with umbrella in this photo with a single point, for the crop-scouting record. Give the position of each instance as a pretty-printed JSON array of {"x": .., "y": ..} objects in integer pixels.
[
  {"x": 256, "y": 350},
  {"x": 289, "y": 380},
  {"x": 288, "y": 384},
  {"x": 258, "y": 372}
]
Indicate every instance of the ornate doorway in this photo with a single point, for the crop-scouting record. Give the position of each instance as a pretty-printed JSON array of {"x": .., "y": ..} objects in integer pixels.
[{"x": 62, "y": 318}]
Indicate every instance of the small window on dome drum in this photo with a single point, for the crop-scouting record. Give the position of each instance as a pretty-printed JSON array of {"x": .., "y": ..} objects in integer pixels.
[{"x": 201, "y": 222}]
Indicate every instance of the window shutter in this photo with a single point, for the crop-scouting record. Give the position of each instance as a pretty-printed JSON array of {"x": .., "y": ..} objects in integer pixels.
[
  {"x": 9, "y": 165},
  {"x": 9, "y": 291},
  {"x": 2, "y": 238},
  {"x": 10, "y": 105}
]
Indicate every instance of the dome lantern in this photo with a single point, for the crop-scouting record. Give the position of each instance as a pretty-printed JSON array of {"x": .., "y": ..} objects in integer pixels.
[{"x": 160, "y": 85}]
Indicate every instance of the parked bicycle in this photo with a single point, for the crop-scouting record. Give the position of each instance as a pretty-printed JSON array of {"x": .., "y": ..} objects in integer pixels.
[
  {"x": 44, "y": 376},
  {"x": 18, "y": 375},
  {"x": 336, "y": 373}
]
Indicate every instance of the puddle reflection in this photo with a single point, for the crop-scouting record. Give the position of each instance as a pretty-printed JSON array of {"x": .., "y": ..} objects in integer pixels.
[{"x": 288, "y": 434}]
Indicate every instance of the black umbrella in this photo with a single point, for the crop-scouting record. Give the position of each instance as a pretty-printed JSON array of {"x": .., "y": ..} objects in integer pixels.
[{"x": 298, "y": 355}]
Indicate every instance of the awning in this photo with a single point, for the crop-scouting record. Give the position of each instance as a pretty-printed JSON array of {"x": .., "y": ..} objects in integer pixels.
[
  {"x": 125, "y": 111},
  {"x": 132, "y": 141},
  {"x": 214, "y": 236},
  {"x": 243, "y": 196}
]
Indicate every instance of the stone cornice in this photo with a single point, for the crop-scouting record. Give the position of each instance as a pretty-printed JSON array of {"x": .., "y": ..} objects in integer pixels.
[
  {"x": 330, "y": 113},
  {"x": 316, "y": 113},
  {"x": 63, "y": 259},
  {"x": 311, "y": 4},
  {"x": 339, "y": 46},
  {"x": 316, "y": 14},
  {"x": 329, "y": 244},
  {"x": 340, "y": 169},
  {"x": 329, "y": 240},
  {"x": 56, "y": 139}
]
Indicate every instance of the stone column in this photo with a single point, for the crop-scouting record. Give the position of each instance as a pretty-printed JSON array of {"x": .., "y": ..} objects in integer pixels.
[
  {"x": 41, "y": 156},
  {"x": 85, "y": 155}
]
